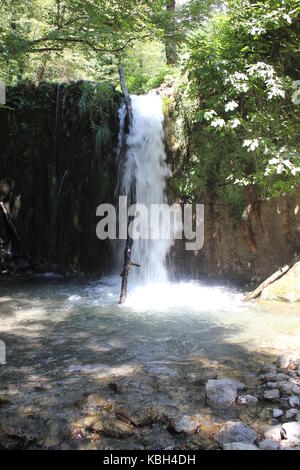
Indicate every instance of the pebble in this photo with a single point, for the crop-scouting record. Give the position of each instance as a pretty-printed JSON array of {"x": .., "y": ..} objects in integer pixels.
[
  {"x": 271, "y": 385},
  {"x": 277, "y": 413},
  {"x": 239, "y": 446},
  {"x": 187, "y": 424},
  {"x": 269, "y": 368},
  {"x": 294, "y": 401},
  {"x": 291, "y": 413},
  {"x": 268, "y": 444},
  {"x": 272, "y": 395},
  {"x": 268, "y": 377},
  {"x": 247, "y": 400},
  {"x": 286, "y": 388},
  {"x": 281, "y": 376}
]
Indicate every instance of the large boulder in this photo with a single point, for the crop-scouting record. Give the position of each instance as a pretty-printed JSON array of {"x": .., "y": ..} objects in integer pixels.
[
  {"x": 222, "y": 392},
  {"x": 290, "y": 432},
  {"x": 287, "y": 288}
]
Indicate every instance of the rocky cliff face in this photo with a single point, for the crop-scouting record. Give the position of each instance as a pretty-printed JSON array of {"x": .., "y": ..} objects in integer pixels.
[
  {"x": 249, "y": 249},
  {"x": 57, "y": 164}
]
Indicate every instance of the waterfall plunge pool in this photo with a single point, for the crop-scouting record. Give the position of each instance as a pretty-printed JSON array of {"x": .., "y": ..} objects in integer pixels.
[{"x": 72, "y": 352}]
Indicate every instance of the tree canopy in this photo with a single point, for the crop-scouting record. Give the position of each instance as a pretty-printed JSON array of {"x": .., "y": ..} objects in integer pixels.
[{"x": 236, "y": 65}]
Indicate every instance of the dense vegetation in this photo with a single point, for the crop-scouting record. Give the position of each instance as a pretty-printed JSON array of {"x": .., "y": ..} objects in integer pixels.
[
  {"x": 235, "y": 65},
  {"x": 238, "y": 103}
]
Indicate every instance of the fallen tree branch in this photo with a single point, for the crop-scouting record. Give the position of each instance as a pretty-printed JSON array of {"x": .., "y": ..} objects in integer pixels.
[
  {"x": 14, "y": 230},
  {"x": 277, "y": 275},
  {"x": 129, "y": 241}
]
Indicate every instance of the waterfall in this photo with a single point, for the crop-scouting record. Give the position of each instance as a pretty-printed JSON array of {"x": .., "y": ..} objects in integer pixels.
[{"x": 146, "y": 161}]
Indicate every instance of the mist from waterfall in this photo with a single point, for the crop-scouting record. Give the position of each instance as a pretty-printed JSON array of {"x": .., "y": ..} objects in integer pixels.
[{"x": 145, "y": 160}]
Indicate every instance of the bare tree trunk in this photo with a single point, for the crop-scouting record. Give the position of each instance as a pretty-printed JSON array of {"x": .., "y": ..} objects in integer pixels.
[
  {"x": 39, "y": 73},
  {"x": 170, "y": 46},
  {"x": 129, "y": 241},
  {"x": 14, "y": 230},
  {"x": 41, "y": 69}
]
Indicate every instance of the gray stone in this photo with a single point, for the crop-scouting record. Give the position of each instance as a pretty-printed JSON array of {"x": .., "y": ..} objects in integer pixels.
[
  {"x": 239, "y": 446},
  {"x": 277, "y": 413},
  {"x": 284, "y": 362},
  {"x": 268, "y": 377},
  {"x": 296, "y": 389},
  {"x": 268, "y": 444},
  {"x": 294, "y": 401},
  {"x": 281, "y": 376},
  {"x": 272, "y": 395},
  {"x": 286, "y": 388},
  {"x": 298, "y": 371},
  {"x": 187, "y": 424},
  {"x": 236, "y": 431},
  {"x": 269, "y": 368},
  {"x": 291, "y": 413},
  {"x": 222, "y": 392},
  {"x": 247, "y": 400},
  {"x": 291, "y": 432},
  {"x": 271, "y": 385},
  {"x": 273, "y": 432}
]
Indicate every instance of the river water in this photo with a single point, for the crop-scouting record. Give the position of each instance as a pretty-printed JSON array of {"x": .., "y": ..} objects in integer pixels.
[
  {"x": 84, "y": 372},
  {"x": 66, "y": 342}
]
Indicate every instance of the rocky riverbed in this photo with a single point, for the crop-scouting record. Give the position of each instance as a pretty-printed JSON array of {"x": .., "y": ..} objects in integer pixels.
[
  {"x": 82, "y": 373},
  {"x": 152, "y": 408}
]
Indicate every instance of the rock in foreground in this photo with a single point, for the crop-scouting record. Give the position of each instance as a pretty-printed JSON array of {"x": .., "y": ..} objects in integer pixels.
[
  {"x": 222, "y": 392},
  {"x": 236, "y": 431}
]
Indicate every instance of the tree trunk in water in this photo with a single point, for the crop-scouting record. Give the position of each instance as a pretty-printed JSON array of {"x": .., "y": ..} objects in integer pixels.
[
  {"x": 129, "y": 241},
  {"x": 14, "y": 230},
  {"x": 170, "y": 46}
]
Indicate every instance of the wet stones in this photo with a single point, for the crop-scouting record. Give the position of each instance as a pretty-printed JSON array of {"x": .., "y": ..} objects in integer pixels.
[
  {"x": 222, "y": 393},
  {"x": 271, "y": 385},
  {"x": 294, "y": 402},
  {"x": 187, "y": 424},
  {"x": 272, "y": 395},
  {"x": 236, "y": 431},
  {"x": 279, "y": 383},
  {"x": 277, "y": 413},
  {"x": 291, "y": 413},
  {"x": 239, "y": 446},
  {"x": 268, "y": 444},
  {"x": 247, "y": 400}
]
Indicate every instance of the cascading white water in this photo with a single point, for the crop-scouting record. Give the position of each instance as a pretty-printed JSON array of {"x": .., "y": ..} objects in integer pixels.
[{"x": 146, "y": 161}]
